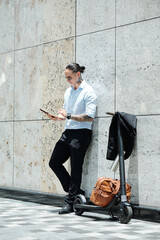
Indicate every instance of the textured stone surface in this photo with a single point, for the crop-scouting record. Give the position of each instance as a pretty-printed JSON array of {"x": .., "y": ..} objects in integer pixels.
[
  {"x": 51, "y": 132},
  {"x": 137, "y": 62},
  {"x": 43, "y": 21},
  {"x": 7, "y": 25},
  {"x": 6, "y": 153},
  {"x": 90, "y": 166},
  {"x": 95, "y": 164},
  {"x": 33, "y": 144},
  {"x": 28, "y": 23},
  {"x": 6, "y": 86},
  {"x": 137, "y": 10},
  {"x": 97, "y": 53},
  {"x": 28, "y": 83},
  {"x": 103, "y": 134},
  {"x": 147, "y": 155},
  {"x": 142, "y": 168},
  {"x": 58, "y": 19},
  {"x": 27, "y": 155},
  {"x": 40, "y": 81},
  {"x": 96, "y": 15},
  {"x": 56, "y": 56}
]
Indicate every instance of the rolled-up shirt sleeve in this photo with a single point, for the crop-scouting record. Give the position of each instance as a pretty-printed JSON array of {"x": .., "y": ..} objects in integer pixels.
[{"x": 90, "y": 104}]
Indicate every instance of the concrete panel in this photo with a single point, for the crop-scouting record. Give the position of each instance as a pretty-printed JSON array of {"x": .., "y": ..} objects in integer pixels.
[
  {"x": 137, "y": 68},
  {"x": 97, "y": 53},
  {"x": 95, "y": 164},
  {"x": 7, "y": 25},
  {"x": 27, "y": 155},
  {"x": 6, "y": 86},
  {"x": 90, "y": 166},
  {"x": 142, "y": 168},
  {"x": 43, "y": 21},
  {"x": 146, "y": 161},
  {"x": 6, "y": 153},
  {"x": 28, "y": 83},
  {"x": 56, "y": 57},
  {"x": 136, "y": 10},
  {"x": 95, "y": 15},
  {"x": 33, "y": 146},
  {"x": 51, "y": 132},
  {"x": 103, "y": 135},
  {"x": 58, "y": 20},
  {"x": 40, "y": 81},
  {"x": 28, "y": 23},
  {"x": 132, "y": 173}
]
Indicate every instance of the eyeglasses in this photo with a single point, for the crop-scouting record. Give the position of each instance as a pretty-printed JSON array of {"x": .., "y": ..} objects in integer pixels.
[{"x": 69, "y": 78}]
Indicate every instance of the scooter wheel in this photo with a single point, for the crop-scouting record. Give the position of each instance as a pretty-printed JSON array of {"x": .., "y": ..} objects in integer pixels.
[
  {"x": 80, "y": 199},
  {"x": 127, "y": 215}
]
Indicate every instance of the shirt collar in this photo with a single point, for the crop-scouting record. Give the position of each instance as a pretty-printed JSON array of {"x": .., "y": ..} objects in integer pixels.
[{"x": 82, "y": 84}]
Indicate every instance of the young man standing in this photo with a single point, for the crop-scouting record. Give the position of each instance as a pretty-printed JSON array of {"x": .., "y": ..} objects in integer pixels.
[{"x": 78, "y": 111}]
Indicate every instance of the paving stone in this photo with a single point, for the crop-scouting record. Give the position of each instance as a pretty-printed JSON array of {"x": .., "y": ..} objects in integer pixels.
[{"x": 21, "y": 220}]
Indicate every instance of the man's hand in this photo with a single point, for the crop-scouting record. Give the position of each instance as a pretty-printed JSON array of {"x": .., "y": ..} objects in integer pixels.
[
  {"x": 62, "y": 112},
  {"x": 58, "y": 118}
]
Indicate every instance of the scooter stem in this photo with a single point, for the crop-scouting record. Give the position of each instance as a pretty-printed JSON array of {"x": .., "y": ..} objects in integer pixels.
[{"x": 121, "y": 163}]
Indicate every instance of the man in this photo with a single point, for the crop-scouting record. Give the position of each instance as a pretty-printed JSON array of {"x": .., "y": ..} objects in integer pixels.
[{"x": 78, "y": 111}]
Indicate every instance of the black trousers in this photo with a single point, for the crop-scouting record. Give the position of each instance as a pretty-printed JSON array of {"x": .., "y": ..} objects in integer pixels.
[{"x": 73, "y": 143}]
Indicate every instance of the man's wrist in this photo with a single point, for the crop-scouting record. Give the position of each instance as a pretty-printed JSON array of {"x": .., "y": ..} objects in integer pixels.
[{"x": 68, "y": 116}]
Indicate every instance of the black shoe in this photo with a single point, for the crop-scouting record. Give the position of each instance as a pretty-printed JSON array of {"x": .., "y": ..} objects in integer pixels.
[{"x": 67, "y": 208}]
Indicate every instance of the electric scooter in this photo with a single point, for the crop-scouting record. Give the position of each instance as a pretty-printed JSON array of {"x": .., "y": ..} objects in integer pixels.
[{"x": 119, "y": 207}]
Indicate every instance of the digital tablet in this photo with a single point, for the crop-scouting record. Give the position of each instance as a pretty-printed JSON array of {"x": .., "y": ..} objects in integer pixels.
[{"x": 53, "y": 116}]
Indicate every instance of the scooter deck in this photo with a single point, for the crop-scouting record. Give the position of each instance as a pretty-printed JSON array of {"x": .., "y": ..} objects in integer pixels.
[{"x": 92, "y": 207}]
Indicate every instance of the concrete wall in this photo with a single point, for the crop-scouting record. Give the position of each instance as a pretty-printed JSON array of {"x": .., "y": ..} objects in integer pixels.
[{"x": 119, "y": 43}]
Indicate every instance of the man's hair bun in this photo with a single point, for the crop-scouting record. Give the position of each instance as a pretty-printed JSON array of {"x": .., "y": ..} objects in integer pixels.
[{"x": 75, "y": 67}]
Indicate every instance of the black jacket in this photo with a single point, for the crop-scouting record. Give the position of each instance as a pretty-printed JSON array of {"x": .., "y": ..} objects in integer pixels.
[{"x": 128, "y": 131}]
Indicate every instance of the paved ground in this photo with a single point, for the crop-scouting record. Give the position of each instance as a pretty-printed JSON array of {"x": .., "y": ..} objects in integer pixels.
[{"x": 21, "y": 220}]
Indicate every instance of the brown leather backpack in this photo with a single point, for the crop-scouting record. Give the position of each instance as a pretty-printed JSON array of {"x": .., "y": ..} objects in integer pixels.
[{"x": 105, "y": 190}]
